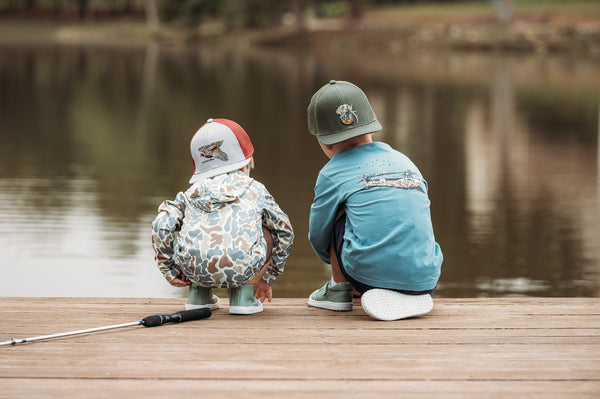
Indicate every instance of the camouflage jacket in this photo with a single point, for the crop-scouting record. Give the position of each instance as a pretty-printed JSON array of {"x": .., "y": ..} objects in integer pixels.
[{"x": 213, "y": 232}]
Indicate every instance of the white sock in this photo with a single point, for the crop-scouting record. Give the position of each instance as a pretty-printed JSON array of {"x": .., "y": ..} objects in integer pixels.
[{"x": 332, "y": 283}]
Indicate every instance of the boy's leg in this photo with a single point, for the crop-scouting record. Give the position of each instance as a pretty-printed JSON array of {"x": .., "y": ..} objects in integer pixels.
[
  {"x": 337, "y": 293},
  {"x": 336, "y": 272},
  {"x": 381, "y": 304}
]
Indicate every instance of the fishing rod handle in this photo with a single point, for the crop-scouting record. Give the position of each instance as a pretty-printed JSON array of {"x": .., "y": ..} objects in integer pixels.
[{"x": 178, "y": 317}]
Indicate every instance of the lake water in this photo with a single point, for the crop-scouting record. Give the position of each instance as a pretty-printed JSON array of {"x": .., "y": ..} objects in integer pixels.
[{"x": 92, "y": 139}]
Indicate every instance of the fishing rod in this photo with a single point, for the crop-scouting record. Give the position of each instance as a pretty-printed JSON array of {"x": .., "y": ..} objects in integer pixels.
[{"x": 150, "y": 321}]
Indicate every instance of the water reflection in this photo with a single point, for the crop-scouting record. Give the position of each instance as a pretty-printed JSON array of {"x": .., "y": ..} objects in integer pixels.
[{"x": 93, "y": 139}]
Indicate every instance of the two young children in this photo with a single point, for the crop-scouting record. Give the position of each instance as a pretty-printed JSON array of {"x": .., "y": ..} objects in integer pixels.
[{"x": 370, "y": 219}]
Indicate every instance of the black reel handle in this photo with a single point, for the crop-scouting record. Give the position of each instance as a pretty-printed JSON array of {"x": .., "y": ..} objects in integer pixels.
[{"x": 179, "y": 317}]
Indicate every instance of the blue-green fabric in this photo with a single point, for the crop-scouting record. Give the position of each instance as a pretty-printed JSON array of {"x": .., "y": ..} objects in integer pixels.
[{"x": 389, "y": 240}]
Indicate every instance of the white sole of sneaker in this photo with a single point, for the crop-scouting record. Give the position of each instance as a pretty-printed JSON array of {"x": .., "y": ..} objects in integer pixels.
[
  {"x": 337, "y": 306},
  {"x": 246, "y": 309},
  {"x": 211, "y": 306},
  {"x": 391, "y": 305}
]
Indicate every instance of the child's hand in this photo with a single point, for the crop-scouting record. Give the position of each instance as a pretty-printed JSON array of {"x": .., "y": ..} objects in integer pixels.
[
  {"x": 263, "y": 291},
  {"x": 180, "y": 281}
]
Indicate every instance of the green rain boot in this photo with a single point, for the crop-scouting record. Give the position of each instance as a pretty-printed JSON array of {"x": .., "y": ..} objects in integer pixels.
[
  {"x": 242, "y": 301},
  {"x": 338, "y": 297},
  {"x": 201, "y": 297}
]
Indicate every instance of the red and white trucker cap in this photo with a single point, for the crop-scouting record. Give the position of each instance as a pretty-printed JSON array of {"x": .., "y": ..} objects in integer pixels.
[{"x": 219, "y": 146}]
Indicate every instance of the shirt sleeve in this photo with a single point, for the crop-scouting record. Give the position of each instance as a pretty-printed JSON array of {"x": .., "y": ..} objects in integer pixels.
[
  {"x": 164, "y": 231},
  {"x": 278, "y": 223},
  {"x": 322, "y": 216}
]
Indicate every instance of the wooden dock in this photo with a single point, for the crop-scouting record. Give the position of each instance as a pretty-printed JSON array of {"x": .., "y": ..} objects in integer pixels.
[{"x": 465, "y": 348}]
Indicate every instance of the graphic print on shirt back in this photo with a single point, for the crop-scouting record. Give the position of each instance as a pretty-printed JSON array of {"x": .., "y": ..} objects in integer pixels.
[{"x": 405, "y": 179}]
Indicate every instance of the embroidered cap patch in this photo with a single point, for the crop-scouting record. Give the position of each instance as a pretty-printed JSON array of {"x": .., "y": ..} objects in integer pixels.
[
  {"x": 347, "y": 114},
  {"x": 213, "y": 150}
]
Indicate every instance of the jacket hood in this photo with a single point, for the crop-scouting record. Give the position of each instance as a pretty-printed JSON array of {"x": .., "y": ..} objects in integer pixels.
[{"x": 212, "y": 193}]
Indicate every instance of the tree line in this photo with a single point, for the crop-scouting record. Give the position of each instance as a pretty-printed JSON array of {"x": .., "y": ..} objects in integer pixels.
[{"x": 234, "y": 13}]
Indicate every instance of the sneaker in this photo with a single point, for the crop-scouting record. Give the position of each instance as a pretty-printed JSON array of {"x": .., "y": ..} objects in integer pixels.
[
  {"x": 201, "y": 297},
  {"x": 242, "y": 301},
  {"x": 338, "y": 297},
  {"x": 391, "y": 305}
]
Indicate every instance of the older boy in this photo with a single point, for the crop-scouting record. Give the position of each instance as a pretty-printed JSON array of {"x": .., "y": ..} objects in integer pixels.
[
  {"x": 370, "y": 217},
  {"x": 224, "y": 231}
]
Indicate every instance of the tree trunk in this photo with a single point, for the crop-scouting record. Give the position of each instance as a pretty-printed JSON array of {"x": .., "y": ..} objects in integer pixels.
[
  {"x": 356, "y": 9},
  {"x": 83, "y": 9},
  {"x": 299, "y": 8},
  {"x": 505, "y": 10},
  {"x": 151, "y": 14},
  {"x": 29, "y": 5}
]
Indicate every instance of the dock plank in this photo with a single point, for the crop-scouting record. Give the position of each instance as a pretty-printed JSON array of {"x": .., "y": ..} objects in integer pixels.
[{"x": 465, "y": 348}]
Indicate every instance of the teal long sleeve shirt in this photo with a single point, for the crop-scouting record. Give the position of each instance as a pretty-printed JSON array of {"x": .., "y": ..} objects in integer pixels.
[{"x": 389, "y": 240}]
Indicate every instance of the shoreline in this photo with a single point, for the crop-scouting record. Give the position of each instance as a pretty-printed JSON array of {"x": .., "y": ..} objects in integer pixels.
[{"x": 378, "y": 32}]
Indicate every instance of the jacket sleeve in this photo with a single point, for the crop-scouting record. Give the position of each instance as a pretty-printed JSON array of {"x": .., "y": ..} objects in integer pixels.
[
  {"x": 164, "y": 232},
  {"x": 278, "y": 223}
]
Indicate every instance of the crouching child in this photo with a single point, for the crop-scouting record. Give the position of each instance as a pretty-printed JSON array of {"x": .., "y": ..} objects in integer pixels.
[{"x": 225, "y": 230}]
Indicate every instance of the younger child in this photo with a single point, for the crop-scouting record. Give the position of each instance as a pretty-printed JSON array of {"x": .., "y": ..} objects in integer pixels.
[
  {"x": 226, "y": 230},
  {"x": 370, "y": 217}
]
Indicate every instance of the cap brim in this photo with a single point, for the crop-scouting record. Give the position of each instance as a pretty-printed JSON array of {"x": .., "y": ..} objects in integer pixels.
[{"x": 346, "y": 134}]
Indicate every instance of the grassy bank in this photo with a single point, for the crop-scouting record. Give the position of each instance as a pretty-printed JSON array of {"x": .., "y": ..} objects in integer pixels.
[
  {"x": 572, "y": 10},
  {"x": 536, "y": 26}
]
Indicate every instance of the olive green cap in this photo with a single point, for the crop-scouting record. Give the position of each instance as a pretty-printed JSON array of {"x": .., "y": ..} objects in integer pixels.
[{"x": 339, "y": 111}]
